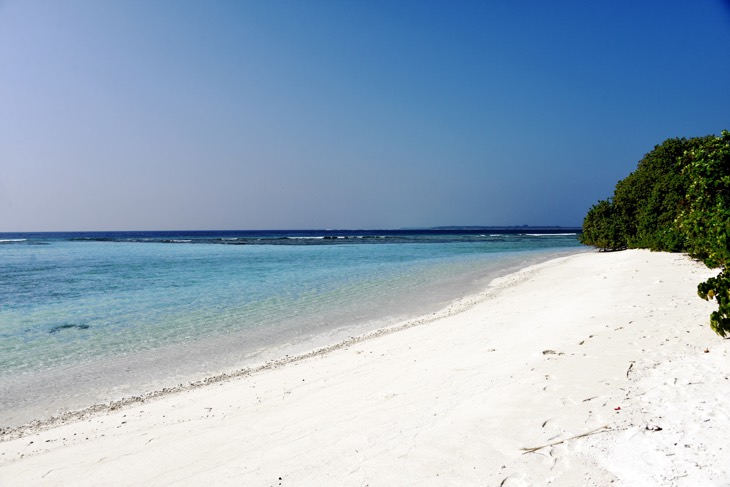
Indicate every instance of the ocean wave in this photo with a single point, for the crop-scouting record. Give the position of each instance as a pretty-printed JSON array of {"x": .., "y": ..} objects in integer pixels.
[
  {"x": 12, "y": 240},
  {"x": 93, "y": 239},
  {"x": 548, "y": 234},
  {"x": 316, "y": 237}
]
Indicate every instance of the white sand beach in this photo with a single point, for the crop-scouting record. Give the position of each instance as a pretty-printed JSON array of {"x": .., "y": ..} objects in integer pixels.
[{"x": 613, "y": 346}]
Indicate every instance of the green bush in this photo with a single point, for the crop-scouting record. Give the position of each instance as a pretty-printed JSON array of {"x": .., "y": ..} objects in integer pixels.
[
  {"x": 677, "y": 200},
  {"x": 645, "y": 204},
  {"x": 602, "y": 228},
  {"x": 706, "y": 220}
]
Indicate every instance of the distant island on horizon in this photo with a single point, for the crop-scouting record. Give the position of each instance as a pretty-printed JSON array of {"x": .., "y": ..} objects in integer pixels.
[{"x": 504, "y": 227}]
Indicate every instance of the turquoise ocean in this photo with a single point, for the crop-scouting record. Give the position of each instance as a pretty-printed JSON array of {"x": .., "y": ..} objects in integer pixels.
[{"x": 87, "y": 318}]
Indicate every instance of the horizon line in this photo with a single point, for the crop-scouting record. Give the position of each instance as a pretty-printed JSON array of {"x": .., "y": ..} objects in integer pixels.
[{"x": 440, "y": 227}]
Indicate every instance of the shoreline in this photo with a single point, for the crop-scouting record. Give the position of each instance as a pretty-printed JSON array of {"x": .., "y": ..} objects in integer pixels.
[
  {"x": 585, "y": 360},
  {"x": 456, "y": 306},
  {"x": 98, "y": 385}
]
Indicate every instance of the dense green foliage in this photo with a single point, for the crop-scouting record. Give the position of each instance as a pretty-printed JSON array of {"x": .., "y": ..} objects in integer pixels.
[
  {"x": 645, "y": 204},
  {"x": 706, "y": 220},
  {"x": 678, "y": 199},
  {"x": 603, "y": 227}
]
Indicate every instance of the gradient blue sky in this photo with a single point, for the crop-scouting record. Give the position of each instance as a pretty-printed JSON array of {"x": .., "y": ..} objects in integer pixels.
[{"x": 270, "y": 114}]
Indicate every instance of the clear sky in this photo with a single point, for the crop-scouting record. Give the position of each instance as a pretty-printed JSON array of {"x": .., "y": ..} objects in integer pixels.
[{"x": 272, "y": 114}]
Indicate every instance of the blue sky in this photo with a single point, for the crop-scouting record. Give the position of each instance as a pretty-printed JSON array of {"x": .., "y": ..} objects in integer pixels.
[{"x": 134, "y": 115}]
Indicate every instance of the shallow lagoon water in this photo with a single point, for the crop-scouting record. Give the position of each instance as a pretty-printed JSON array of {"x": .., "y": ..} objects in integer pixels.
[{"x": 89, "y": 318}]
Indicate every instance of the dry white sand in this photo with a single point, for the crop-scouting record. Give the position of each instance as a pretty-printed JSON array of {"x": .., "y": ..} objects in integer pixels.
[{"x": 613, "y": 344}]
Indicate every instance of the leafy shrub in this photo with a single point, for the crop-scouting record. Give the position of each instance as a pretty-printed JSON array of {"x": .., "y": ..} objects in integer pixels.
[
  {"x": 706, "y": 220},
  {"x": 678, "y": 199},
  {"x": 602, "y": 228},
  {"x": 645, "y": 204}
]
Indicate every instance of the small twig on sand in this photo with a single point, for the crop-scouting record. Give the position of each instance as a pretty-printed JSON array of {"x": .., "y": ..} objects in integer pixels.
[
  {"x": 592, "y": 432},
  {"x": 631, "y": 366}
]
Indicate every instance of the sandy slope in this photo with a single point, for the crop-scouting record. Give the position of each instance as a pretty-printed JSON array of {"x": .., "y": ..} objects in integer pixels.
[{"x": 603, "y": 343}]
